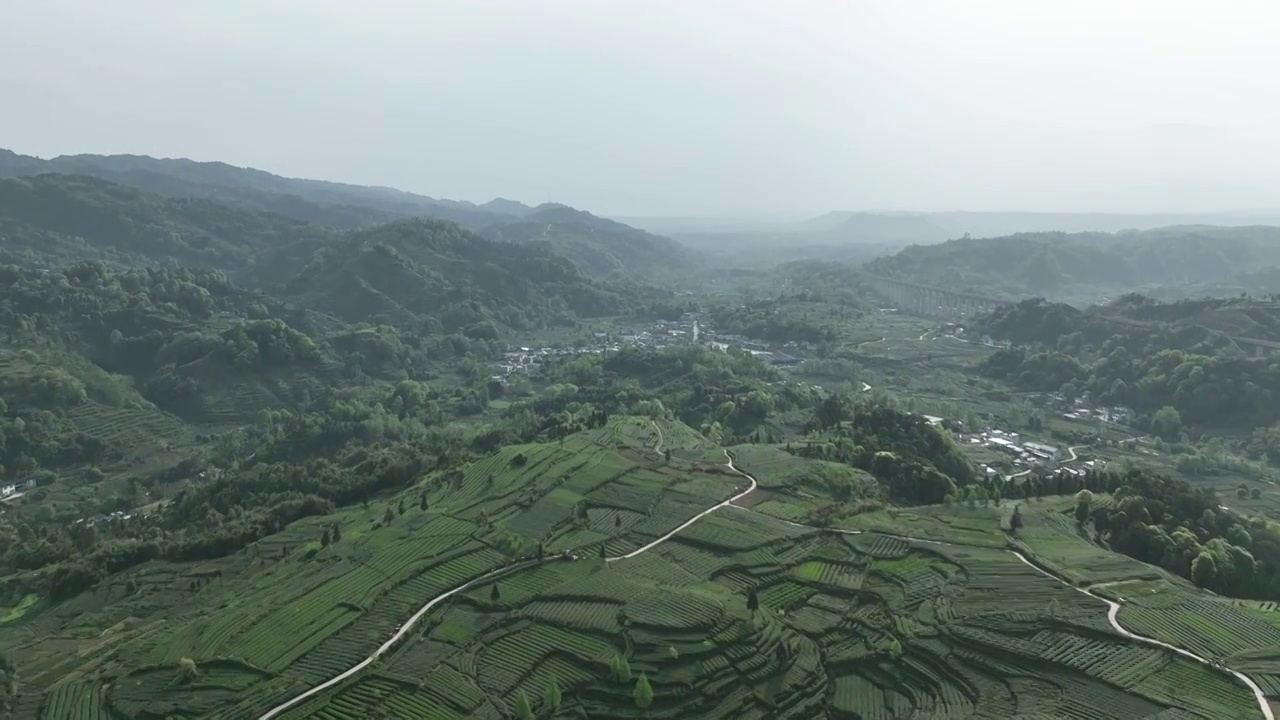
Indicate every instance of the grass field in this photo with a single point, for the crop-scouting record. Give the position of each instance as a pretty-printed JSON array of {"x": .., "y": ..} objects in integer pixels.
[{"x": 847, "y": 625}]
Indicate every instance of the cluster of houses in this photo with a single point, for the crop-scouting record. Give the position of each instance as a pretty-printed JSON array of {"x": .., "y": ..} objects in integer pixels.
[
  {"x": 99, "y": 519},
  {"x": 1013, "y": 445},
  {"x": 16, "y": 489},
  {"x": 1081, "y": 409}
]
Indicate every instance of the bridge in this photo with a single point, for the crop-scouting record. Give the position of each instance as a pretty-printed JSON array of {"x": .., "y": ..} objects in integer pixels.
[
  {"x": 932, "y": 301},
  {"x": 918, "y": 299}
]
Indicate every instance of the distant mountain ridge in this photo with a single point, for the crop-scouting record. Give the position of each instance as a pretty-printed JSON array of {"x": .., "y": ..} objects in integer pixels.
[
  {"x": 428, "y": 272},
  {"x": 321, "y": 201},
  {"x": 599, "y": 246},
  {"x": 1178, "y": 261}
]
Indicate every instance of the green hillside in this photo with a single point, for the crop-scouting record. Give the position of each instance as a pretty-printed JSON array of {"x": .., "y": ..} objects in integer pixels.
[{"x": 739, "y": 613}]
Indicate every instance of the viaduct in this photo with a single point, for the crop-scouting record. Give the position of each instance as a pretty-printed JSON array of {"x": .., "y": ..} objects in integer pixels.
[{"x": 930, "y": 301}]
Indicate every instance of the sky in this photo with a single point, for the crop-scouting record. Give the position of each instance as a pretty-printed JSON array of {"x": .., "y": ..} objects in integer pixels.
[{"x": 675, "y": 107}]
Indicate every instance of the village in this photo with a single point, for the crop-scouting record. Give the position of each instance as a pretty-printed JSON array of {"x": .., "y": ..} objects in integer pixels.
[{"x": 691, "y": 328}]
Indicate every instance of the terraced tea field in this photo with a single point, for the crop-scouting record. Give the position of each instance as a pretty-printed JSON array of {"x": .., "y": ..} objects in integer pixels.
[{"x": 497, "y": 595}]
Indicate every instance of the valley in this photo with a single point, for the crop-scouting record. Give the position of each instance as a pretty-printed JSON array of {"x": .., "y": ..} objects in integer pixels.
[{"x": 386, "y": 456}]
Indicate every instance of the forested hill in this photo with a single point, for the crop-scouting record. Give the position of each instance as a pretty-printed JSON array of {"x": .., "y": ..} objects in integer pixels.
[
  {"x": 442, "y": 275},
  {"x": 1180, "y": 324},
  {"x": 1191, "y": 374},
  {"x": 1172, "y": 262},
  {"x": 598, "y": 245},
  {"x": 408, "y": 270},
  {"x": 53, "y": 220}
]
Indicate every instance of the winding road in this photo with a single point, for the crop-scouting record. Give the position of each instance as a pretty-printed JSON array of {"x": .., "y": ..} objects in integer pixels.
[
  {"x": 1113, "y": 617},
  {"x": 1113, "y": 607}
]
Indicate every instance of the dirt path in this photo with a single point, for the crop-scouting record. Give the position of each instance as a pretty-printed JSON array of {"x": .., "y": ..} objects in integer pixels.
[{"x": 658, "y": 447}]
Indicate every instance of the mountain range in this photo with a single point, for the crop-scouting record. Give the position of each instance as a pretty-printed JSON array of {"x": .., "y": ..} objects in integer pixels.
[{"x": 599, "y": 246}]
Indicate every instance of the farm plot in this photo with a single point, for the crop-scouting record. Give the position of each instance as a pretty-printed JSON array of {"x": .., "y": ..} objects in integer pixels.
[{"x": 75, "y": 701}]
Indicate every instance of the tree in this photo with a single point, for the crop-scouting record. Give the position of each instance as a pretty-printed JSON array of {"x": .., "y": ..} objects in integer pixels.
[
  {"x": 188, "y": 670},
  {"x": 422, "y": 502},
  {"x": 1204, "y": 571},
  {"x": 1054, "y": 608},
  {"x": 1084, "y": 499},
  {"x": 672, "y": 652},
  {"x": 643, "y": 694},
  {"x": 1167, "y": 423},
  {"x": 617, "y": 521},
  {"x": 523, "y": 709},
  {"x": 337, "y": 532},
  {"x": 324, "y": 538},
  {"x": 666, "y": 455},
  {"x": 401, "y": 508},
  {"x": 1015, "y": 521},
  {"x": 603, "y": 552},
  {"x": 554, "y": 696},
  {"x": 895, "y": 648},
  {"x": 621, "y": 668},
  {"x": 495, "y": 595},
  {"x": 753, "y": 601},
  {"x": 388, "y": 516}
]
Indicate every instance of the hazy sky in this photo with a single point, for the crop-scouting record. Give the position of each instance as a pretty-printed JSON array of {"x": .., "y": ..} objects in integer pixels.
[{"x": 675, "y": 106}]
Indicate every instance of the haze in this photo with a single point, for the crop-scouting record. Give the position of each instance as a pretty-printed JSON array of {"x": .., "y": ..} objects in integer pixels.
[{"x": 672, "y": 107}]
